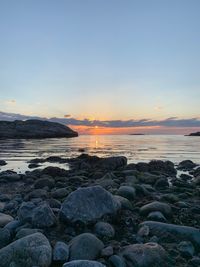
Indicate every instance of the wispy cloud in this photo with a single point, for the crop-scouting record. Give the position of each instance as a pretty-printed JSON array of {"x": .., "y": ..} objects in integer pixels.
[{"x": 168, "y": 122}]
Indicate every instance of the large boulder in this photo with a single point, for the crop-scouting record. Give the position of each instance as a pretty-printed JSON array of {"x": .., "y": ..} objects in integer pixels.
[
  {"x": 156, "y": 206},
  {"x": 34, "y": 129},
  {"x": 4, "y": 219},
  {"x": 32, "y": 250},
  {"x": 88, "y": 204},
  {"x": 145, "y": 255},
  {"x": 85, "y": 247}
]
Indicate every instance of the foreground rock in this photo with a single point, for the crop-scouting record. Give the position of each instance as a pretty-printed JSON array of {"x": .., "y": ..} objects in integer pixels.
[
  {"x": 171, "y": 232},
  {"x": 34, "y": 129},
  {"x": 32, "y": 250},
  {"x": 83, "y": 263},
  {"x": 146, "y": 255},
  {"x": 88, "y": 204}
]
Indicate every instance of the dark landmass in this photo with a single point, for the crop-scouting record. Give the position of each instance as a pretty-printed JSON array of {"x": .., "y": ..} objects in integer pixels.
[
  {"x": 194, "y": 134},
  {"x": 137, "y": 134},
  {"x": 31, "y": 129},
  {"x": 101, "y": 212}
]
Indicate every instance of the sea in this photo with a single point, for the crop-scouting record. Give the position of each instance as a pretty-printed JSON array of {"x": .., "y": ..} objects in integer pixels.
[{"x": 137, "y": 148}]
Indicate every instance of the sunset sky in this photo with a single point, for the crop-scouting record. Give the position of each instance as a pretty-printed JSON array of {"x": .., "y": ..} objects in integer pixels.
[{"x": 106, "y": 66}]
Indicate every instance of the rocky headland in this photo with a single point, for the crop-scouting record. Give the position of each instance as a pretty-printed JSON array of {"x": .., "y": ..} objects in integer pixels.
[
  {"x": 101, "y": 212},
  {"x": 31, "y": 129},
  {"x": 194, "y": 134}
]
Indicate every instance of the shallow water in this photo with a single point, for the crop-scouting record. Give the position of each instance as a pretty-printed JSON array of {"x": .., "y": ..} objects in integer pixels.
[{"x": 136, "y": 148}]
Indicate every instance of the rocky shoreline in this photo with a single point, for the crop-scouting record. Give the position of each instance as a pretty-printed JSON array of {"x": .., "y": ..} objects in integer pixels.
[{"x": 101, "y": 212}]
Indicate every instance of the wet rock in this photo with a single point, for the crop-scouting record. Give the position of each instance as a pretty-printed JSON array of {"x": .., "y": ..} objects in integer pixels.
[
  {"x": 26, "y": 231},
  {"x": 88, "y": 204},
  {"x": 43, "y": 216},
  {"x": 161, "y": 183},
  {"x": 55, "y": 171},
  {"x": 127, "y": 192},
  {"x": 142, "y": 167},
  {"x": 117, "y": 261},
  {"x": 32, "y": 250},
  {"x": 172, "y": 232},
  {"x": 107, "y": 251},
  {"x": 148, "y": 178},
  {"x": 156, "y": 206},
  {"x": 104, "y": 230},
  {"x": 165, "y": 167},
  {"x": 186, "y": 165},
  {"x": 186, "y": 249},
  {"x": 10, "y": 177},
  {"x": 83, "y": 263},
  {"x": 61, "y": 252},
  {"x": 124, "y": 202},
  {"x": 5, "y": 219},
  {"x": 85, "y": 247},
  {"x": 194, "y": 262},
  {"x": 2, "y": 162},
  {"x": 60, "y": 193},
  {"x": 37, "y": 193},
  {"x": 143, "y": 255}
]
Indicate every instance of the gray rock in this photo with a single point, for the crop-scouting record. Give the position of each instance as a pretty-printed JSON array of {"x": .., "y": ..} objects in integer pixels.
[
  {"x": 156, "y": 206},
  {"x": 61, "y": 252},
  {"x": 26, "y": 231},
  {"x": 124, "y": 202},
  {"x": 32, "y": 250},
  {"x": 172, "y": 232},
  {"x": 145, "y": 255},
  {"x": 44, "y": 182},
  {"x": 117, "y": 261},
  {"x": 25, "y": 211},
  {"x": 127, "y": 192},
  {"x": 186, "y": 249},
  {"x": 5, "y": 219},
  {"x": 104, "y": 230},
  {"x": 165, "y": 167},
  {"x": 60, "y": 193},
  {"x": 2, "y": 162},
  {"x": 156, "y": 216},
  {"x": 43, "y": 216},
  {"x": 186, "y": 165},
  {"x": 10, "y": 177},
  {"x": 107, "y": 251},
  {"x": 88, "y": 204},
  {"x": 83, "y": 263},
  {"x": 85, "y": 247},
  {"x": 34, "y": 129},
  {"x": 5, "y": 237},
  {"x": 37, "y": 193}
]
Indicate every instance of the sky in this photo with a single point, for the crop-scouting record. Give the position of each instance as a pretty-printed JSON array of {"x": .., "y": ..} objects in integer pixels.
[{"x": 109, "y": 62}]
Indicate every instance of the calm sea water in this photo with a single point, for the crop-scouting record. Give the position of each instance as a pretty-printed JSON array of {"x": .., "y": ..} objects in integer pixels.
[{"x": 135, "y": 148}]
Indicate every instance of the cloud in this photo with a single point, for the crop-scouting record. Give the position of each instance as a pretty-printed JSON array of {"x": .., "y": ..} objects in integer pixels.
[
  {"x": 11, "y": 102},
  {"x": 168, "y": 122}
]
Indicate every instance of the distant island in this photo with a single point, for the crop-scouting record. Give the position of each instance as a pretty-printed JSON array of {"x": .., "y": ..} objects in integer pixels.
[
  {"x": 137, "y": 134},
  {"x": 31, "y": 129},
  {"x": 194, "y": 134}
]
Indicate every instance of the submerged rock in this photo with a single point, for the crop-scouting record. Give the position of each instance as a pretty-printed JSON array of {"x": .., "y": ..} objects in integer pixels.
[
  {"x": 88, "y": 204},
  {"x": 32, "y": 250}
]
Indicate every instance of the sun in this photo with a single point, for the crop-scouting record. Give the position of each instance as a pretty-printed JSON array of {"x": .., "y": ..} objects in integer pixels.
[{"x": 96, "y": 127}]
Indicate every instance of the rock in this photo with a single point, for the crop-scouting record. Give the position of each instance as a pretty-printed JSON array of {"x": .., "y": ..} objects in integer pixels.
[
  {"x": 25, "y": 211},
  {"x": 26, "y": 231},
  {"x": 104, "y": 230},
  {"x": 172, "y": 232},
  {"x": 186, "y": 249},
  {"x": 124, "y": 202},
  {"x": 12, "y": 226},
  {"x": 161, "y": 183},
  {"x": 5, "y": 219},
  {"x": 37, "y": 193},
  {"x": 156, "y": 206},
  {"x": 83, "y": 263},
  {"x": 85, "y": 246},
  {"x": 32, "y": 250},
  {"x": 165, "y": 167},
  {"x": 117, "y": 261},
  {"x": 5, "y": 237},
  {"x": 112, "y": 163},
  {"x": 10, "y": 177},
  {"x": 156, "y": 216},
  {"x": 107, "y": 252},
  {"x": 127, "y": 192},
  {"x": 186, "y": 165},
  {"x": 148, "y": 178},
  {"x": 43, "y": 216},
  {"x": 2, "y": 162},
  {"x": 145, "y": 255},
  {"x": 54, "y": 171},
  {"x": 34, "y": 129},
  {"x": 194, "y": 134},
  {"x": 60, "y": 193},
  {"x": 61, "y": 252},
  {"x": 194, "y": 262},
  {"x": 44, "y": 182},
  {"x": 88, "y": 204}
]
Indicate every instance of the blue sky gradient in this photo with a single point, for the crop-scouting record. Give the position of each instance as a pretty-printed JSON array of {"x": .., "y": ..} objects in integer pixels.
[{"x": 100, "y": 59}]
